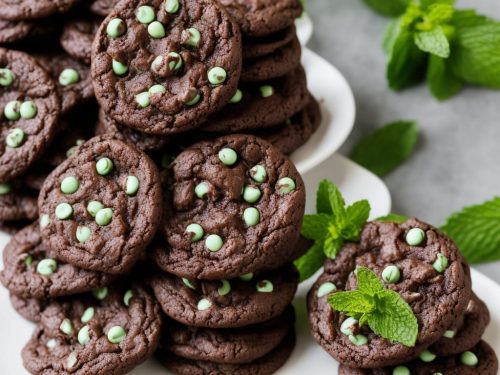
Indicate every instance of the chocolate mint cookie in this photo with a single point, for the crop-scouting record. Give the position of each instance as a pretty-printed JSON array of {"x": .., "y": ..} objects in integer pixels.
[
  {"x": 258, "y": 47},
  {"x": 17, "y": 202},
  {"x": 30, "y": 273},
  {"x": 262, "y": 105},
  {"x": 29, "y": 308},
  {"x": 249, "y": 299},
  {"x": 234, "y": 205},
  {"x": 30, "y": 112},
  {"x": 77, "y": 37},
  {"x": 164, "y": 67},
  {"x": 428, "y": 272},
  {"x": 101, "y": 207},
  {"x": 108, "y": 334},
  {"x": 17, "y": 10},
  {"x": 102, "y": 7}
]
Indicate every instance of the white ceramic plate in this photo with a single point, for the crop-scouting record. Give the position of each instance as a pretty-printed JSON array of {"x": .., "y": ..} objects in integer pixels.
[
  {"x": 305, "y": 28},
  {"x": 331, "y": 89}
]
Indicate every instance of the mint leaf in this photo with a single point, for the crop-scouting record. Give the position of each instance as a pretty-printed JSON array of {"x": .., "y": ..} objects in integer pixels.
[
  {"x": 356, "y": 216},
  {"x": 391, "y": 8},
  {"x": 440, "y": 13},
  {"x": 433, "y": 42},
  {"x": 386, "y": 148},
  {"x": 442, "y": 83},
  {"x": 329, "y": 199},
  {"x": 332, "y": 246},
  {"x": 394, "y": 319},
  {"x": 391, "y": 35},
  {"x": 368, "y": 282},
  {"x": 309, "y": 263},
  {"x": 353, "y": 302},
  {"x": 392, "y": 218},
  {"x": 426, "y": 4},
  {"x": 315, "y": 227},
  {"x": 476, "y": 231}
]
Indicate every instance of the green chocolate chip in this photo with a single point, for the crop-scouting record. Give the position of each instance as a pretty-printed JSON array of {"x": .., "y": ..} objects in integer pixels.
[
  {"x": 258, "y": 173},
  {"x": 70, "y": 185},
  {"x": 325, "y": 289},
  {"x": 156, "y": 30},
  {"x": 251, "y": 216},
  {"x": 415, "y": 236},
  {"x": 104, "y": 217},
  {"x": 195, "y": 231},
  {"x": 225, "y": 288},
  {"x": 391, "y": 274},
  {"x": 119, "y": 68},
  {"x": 217, "y": 76},
  {"x": 247, "y": 276},
  {"x": 104, "y": 166},
  {"x": 469, "y": 359},
  {"x": 174, "y": 62},
  {"x": 204, "y": 304},
  {"x": 127, "y": 297},
  {"x": 441, "y": 263},
  {"x": 84, "y": 335},
  {"x": 285, "y": 185},
  {"x": 145, "y": 14},
  {"x": 358, "y": 340},
  {"x": 116, "y": 28},
  {"x": 72, "y": 359},
  {"x": 11, "y": 110},
  {"x": 172, "y": 6},
  {"x": 196, "y": 99},
  {"x": 100, "y": 293},
  {"x": 68, "y": 77},
  {"x": 401, "y": 370},
  {"x": 191, "y": 37},
  {"x": 6, "y": 77},
  {"x": 64, "y": 211},
  {"x": 214, "y": 242},
  {"x": 15, "y": 138},
  {"x": 66, "y": 327},
  {"x": 28, "y": 110},
  {"x": 266, "y": 91},
  {"x": 228, "y": 156},
  {"x": 143, "y": 99},
  {"x": 5, "y": 188},
  {"x": 265, "y": 286},
  {"x": 449, "y": 334},
  {"x": 87, "y": 315},
  {"x": 83, "y": 233},
  {"x": 46, "y": 267},
  {"x": 251, "y": 194},
  {"x": 116, "y": 334},
  {"x": 427, "y": 356},
  {"x": 28, "y": 261},
  {"x": 237, "y": 97},
  {"x": 51, "y": 344},
  {"x": 157, "y": 89},
  {"x": 93, "y": 207},
  {"x": 44, "y": 221},
  {"x": 347, "y": 326},
  {"x": 132, "y": 185},
  {"x": 201, "y": 190},
  {"x": 188, "y": 283}
]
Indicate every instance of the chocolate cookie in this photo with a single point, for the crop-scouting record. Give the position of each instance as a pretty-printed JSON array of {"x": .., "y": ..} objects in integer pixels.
[
  {"x": 263, "y": 17},
  {"x": 102, "y": 7},
  {"x": 258, "y": 47},
  {"x": 18, "y": 10},
  {"x": 11, "y": 31},
  {"x": 164, "y": 67},
  {"x": 31, "y": 109},
  {"x": 230, "y": 346},
  {"x": 277, "y": 64},
  {"x": 109, "y": 334},
  {"x": 262, "y": 105},
  {"x": 434, "y": 280},
  {"x": 249, "y": 299},
  {"x": 17, "y": 202},
  {"x": 234, "y": 205},
  {"x": 77, "y": 37},
  {"x": 30, "y": 273},
  {"x": 101, "y": 207},
  {"x": 266, "y": 365},
  {"x": 29, "y": 308},
  {"x": 480, "y": 360}
]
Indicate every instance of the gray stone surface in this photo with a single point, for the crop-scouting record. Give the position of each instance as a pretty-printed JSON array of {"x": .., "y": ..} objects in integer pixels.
[{"x": 457, "y": 162}]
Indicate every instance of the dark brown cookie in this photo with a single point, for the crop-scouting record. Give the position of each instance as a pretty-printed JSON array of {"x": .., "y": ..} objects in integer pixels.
[
  {"x": 234, "y": 205},
  {"x": 31, "y": 110},
  {"x": 17, "y": 10},
  {"x": 258, "y": 47},
  {"x": 101, "y": 207},
  {"x": 109, "y": 334},
  {"x": 164, "y": 67},
  {"x": 266, "y": 365},
  {"x": 30, "y": 273},
  {"x": 77, "y": 37},
  {"x": 230, "y": 346},
  {"x": 277, "y": 64},
  {"x": 434, "y": 280},
  {"x": 263, "y": 17},
  {"x": 262, "y": 105},
  {"x": 17, "y": 202},
  {"x": 30, "y": 309},
  {"x": 249, "y": 299},
  {"x": 102, "y": 7}
]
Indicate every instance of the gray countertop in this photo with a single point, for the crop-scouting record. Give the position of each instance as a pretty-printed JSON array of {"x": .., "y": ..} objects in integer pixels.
[{"x": 457, "y": 162}]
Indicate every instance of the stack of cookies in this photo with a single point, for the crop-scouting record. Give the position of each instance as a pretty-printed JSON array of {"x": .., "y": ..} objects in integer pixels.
[{"x": 426, "y": 268}]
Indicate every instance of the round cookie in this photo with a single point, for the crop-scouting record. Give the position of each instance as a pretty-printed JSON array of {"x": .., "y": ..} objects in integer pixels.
[
  {"x": 77, "y": 38},
  {"x": 29, "y": 308},
  {"x": 17, "y": 202},
  {"x": 277, "y": 64},
  {"x": 263, "y": 17},
  {"x": 233, "y": 303},
  {"x": 29, "y": 272},
  {"x": 108, "y": 334},
  {"x": 102, "y": 7},
  {"x": 233, "y": 205},
  {"x": 101, "y": 206},
  {"x": 262, "y": 105},
  {"x": 30, "y": 106},
  {"x": 266, "y": 365},
  {"x": 164, "y": 67},
  {"x": 19, "y": 10},
  {"x": 437, "y": 292},
  {"x": 258, "y": 47},
  {"x": 453, "y": 365},
  {"x": 229, "y": 346}
]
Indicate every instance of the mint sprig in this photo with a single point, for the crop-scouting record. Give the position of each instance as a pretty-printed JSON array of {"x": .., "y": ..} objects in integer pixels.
[
  {"x": 333, "y": 225},
  {"x": 383, "y": 310},
  {"x": 392, "y": 8}
]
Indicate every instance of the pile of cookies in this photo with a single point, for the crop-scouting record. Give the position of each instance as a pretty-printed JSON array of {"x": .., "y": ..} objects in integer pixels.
[
  {"x": 426, "y": 268},
  {"x": 163, "y": 217}
]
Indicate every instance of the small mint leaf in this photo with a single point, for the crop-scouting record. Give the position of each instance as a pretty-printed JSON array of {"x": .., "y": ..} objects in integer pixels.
[
  {"x": 440, "y": 78},
  {"x": 310, "y": 262},
  {"x": 332, "y": 246},
  {"x": 356, "y": 216},
  {"x": 393, "y": 218},
  {"x": 440, "y": 13},
  {"x": 352, "y": 303},
  {"x": 315, "y": 227},
  {"x": 368, "y": 282},
  {"x": 328, "y": 199},
  {"x": 391, "y": 8},
  {"x": 390, "y": 35},
  {"x": 434, "y": 42}
]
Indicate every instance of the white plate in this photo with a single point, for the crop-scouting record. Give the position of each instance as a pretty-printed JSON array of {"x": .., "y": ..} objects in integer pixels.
[
  {"x": 331, "y": 89},
  {"x": 305, "y": 28}
]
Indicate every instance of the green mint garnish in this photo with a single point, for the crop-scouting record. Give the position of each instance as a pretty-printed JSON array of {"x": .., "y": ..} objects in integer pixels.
[
  {"x": 391, "y": 8},
  {"x": 383, "y": 310}
]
